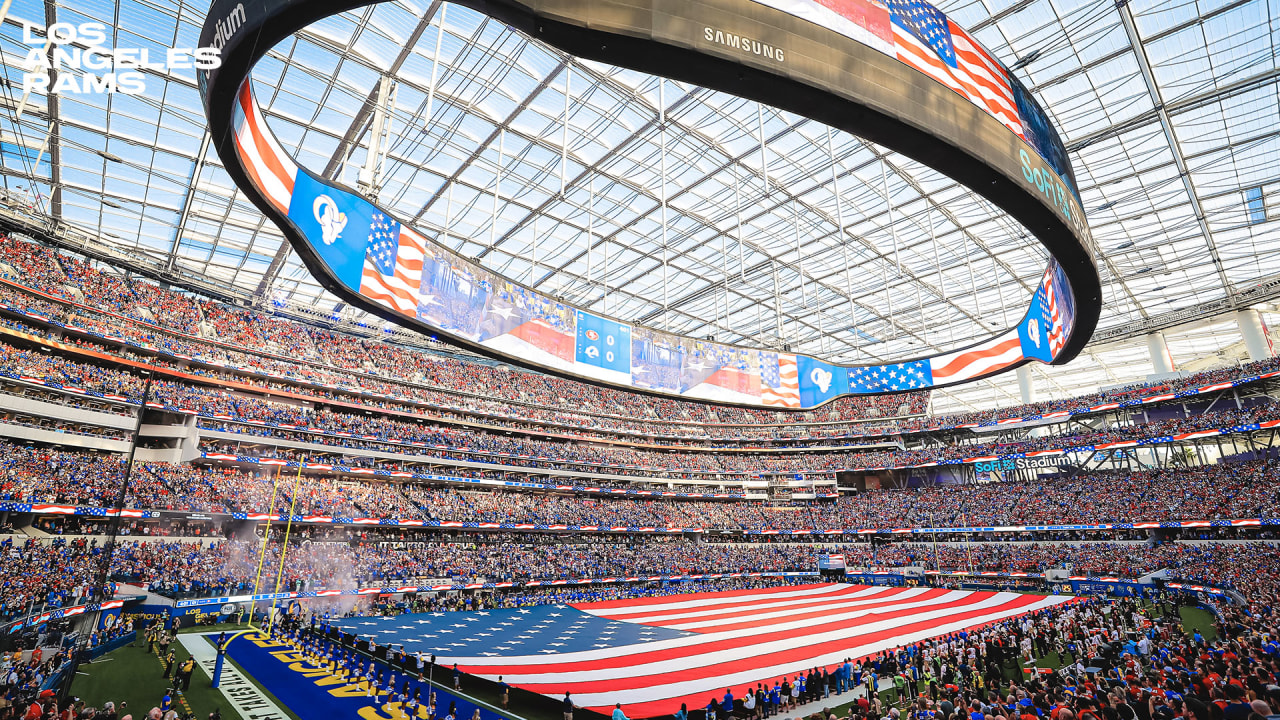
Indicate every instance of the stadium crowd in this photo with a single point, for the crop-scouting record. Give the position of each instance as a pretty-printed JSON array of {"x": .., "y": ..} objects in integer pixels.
[
  {"x": 387, "y": 435},
  {"x": 230, "y": 336},
  {"x": 1228, "y": 490},
  {"x": 223, "y": 411},
  {"x": 58, "y": 572},
  {"x": 1166, "y": 675}
]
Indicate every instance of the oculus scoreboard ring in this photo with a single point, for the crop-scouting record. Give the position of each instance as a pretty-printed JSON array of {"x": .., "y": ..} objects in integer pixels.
[{"x": 898, "y": 73}]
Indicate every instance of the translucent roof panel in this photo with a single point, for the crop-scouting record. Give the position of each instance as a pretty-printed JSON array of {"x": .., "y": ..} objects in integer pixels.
[{"x": 674, "y": 206}]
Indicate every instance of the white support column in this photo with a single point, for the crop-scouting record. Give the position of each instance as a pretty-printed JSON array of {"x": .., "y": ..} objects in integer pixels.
[
  {"x": 1256, "y": 341},
  {"x": 1161, "y": 360},
  {"x": 1026, "y": 388}
]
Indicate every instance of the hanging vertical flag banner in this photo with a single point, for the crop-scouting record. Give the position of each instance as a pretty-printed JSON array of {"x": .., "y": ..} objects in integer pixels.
[{"x": 779, "y": 380}]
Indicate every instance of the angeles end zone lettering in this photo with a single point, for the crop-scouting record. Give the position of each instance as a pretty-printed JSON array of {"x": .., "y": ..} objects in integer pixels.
[{"x": 297, "y": 663}]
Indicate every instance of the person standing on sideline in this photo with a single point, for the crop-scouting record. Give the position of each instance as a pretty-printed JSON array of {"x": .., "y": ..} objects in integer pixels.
[
  {"x": 503, "y": 692},
  {"x": 568, "y": 706},
  {"x": 618, "y": 714}
]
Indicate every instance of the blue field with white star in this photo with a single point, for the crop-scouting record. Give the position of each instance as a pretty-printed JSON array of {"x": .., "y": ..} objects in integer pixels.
[{"x": 546, "y": 629}]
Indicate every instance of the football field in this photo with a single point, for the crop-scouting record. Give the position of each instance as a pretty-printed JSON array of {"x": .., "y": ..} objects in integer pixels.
[{"x": 651, "y": 654}]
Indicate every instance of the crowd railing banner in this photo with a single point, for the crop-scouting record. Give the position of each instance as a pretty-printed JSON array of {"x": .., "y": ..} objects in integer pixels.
[
  {"x": 45, "y": 616},
  {"x": 834, "y": 533}
]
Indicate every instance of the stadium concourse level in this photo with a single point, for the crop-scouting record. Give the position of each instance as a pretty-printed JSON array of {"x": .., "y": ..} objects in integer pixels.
[
  {"x": 205, "y": 337},
  {"x": 325, "y": 430},
  {"x": 393, "y": 436},
  {"x": 34, "y": 475}
]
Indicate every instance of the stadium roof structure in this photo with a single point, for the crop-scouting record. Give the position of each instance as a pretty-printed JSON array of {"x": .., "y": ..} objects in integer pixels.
[{"x": 690, "y": 210}]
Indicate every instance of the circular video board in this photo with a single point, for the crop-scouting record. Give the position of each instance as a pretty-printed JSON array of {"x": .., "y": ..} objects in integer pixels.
[{"x": 899, "y": 73}]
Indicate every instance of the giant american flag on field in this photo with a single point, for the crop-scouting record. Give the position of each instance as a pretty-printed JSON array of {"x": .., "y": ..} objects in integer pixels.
[{"x": 651, "y": 654}]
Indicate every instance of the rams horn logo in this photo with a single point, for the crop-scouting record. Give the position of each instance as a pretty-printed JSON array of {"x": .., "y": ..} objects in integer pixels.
[
  {"x": 332, "y": 220},
  {"x": 821, "y": 378}
]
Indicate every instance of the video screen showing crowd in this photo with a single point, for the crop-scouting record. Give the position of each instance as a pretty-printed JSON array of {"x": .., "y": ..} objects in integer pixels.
[{"x": 430, "y": 535}]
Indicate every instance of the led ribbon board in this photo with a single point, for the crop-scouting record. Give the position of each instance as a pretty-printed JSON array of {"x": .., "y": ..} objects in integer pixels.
[{"x": 902, "y": 75}]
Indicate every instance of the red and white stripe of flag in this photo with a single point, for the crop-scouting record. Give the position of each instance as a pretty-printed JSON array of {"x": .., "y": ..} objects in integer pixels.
[
  {"x": 268, "y": 165},
  {"x": 1198, "y": 434},
  {"x": 991, "y": 356},
  {"x": 1057, "y": 333},
  {"x": 743, "y": 637}
]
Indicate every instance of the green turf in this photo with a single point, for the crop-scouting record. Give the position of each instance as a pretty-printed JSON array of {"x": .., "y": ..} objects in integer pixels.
[
  {"x": 131, "y": 675},
  {"x": 1195, "y": 618}
]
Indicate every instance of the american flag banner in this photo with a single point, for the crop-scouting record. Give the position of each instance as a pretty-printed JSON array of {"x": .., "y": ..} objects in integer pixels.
[
  {"x": 268, "y": 165},
  {"x": 651, "y": 654},
  {"x": 991, "y": 356},
  {"x": 888, "y": 378},
  {"x": 393, "y": 265},
  {"x": 1057, "y": 333},
  {"x": 779, "y": 380},
  {"x": 927, "y": 40}
]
